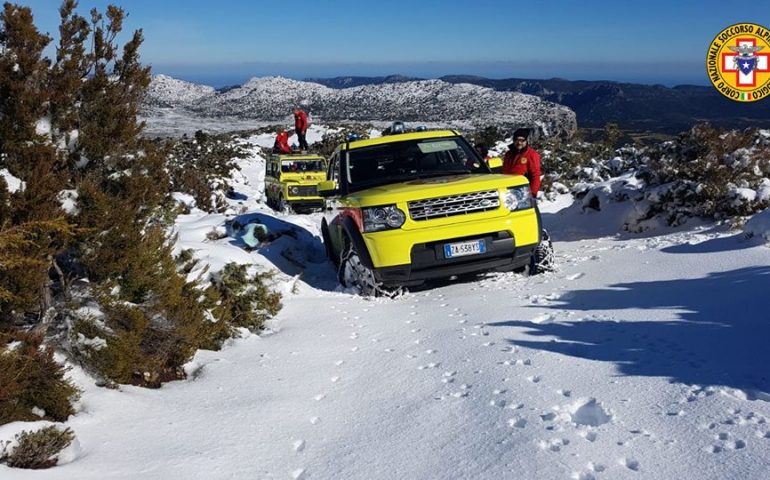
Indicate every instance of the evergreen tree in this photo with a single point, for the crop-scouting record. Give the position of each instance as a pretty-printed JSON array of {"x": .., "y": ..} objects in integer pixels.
[
  {"x": 23, "y": 74},
  {"x": 67, "y": 74}
]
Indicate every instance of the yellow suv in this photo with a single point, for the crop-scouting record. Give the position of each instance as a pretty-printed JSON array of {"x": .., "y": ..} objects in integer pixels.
[
  {"x": 405, "y": 208},
  {"x": 291, "y": 182}
]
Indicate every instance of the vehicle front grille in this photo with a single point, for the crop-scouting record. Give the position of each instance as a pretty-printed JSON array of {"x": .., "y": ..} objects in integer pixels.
[
  {"x": 304, "y": 191},
  {"x": 454, "y": 205}
]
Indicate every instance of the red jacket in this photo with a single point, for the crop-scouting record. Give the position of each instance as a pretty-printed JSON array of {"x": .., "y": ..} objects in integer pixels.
[
  {"x": 281, "y": 144},
  {"x": 300, "y": 121},
  {"x": 526, "y": 163}
]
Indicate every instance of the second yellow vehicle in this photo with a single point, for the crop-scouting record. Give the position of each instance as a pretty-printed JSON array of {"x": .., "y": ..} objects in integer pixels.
[{"x": 291, "y": 182}]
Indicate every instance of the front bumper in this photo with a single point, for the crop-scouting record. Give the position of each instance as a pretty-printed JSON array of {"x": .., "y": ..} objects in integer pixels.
[
  {"x": 398, "y": 247},
  {"x": 306, "y": 203},
  {"x": 403, "y": 257},
  {"x": 430, "y": 262}
]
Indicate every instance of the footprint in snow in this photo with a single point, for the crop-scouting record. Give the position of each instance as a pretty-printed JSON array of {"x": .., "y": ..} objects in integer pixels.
[
  {"x": 736, "y": 445},
  {"x": 554, "y": 444},
  {"x": 429, "y": 366},
  {"x": 575, "y": 276},
  {"x": 583, "y": 476},
  {"x": 534, "y": 379},
  {"x": 630, "y": 464},
  {"x": 299, "y": 446},
  {"x": 298, "y": 474},
  {"x": 517, "y": 422}
]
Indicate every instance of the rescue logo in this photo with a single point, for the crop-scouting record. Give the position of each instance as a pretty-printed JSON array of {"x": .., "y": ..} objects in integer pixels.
[{"x": 738, "y": 62}]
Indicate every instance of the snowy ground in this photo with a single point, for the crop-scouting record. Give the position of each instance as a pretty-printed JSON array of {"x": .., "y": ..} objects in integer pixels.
[{"x": 642, "y": 357}]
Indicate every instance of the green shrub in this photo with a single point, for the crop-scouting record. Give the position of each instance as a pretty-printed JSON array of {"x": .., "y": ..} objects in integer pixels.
[
  {"x": 38, "y": 449},
  {"x": 31, "y": 378},
  {"x": 243, "y": 301}
]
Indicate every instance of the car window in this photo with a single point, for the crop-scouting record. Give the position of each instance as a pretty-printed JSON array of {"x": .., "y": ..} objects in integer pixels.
[
  {"x": 302, "y": 166},
  {"x": 400, "y": 161}
]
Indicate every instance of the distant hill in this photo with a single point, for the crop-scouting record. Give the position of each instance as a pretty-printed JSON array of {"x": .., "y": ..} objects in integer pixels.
[
  {"x": 430, "y": 102},
  {"x": 348, "y": 82},
  {"x": 633, "y": 106}
]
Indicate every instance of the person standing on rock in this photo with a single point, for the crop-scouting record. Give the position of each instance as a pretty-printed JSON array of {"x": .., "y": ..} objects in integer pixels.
[
  {"x": 521, "y": 159},
  {"x": 300, "y": 126}
]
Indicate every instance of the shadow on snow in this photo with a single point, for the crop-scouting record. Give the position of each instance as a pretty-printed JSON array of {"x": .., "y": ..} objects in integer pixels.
[
  {"x": 722, "y": 335},
  {"x": 291, "y": 249}
]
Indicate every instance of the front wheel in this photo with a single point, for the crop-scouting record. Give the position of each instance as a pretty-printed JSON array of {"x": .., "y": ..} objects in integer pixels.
[
  {"x": 543, "y": 258},
  {"x": 353, "y": 273},
  {"x": 284, "y": 206}
]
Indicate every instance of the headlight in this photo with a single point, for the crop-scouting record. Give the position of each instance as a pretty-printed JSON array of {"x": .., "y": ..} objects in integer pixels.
[
  {"x": 517, "y": 198},
  {"x": 382, "y": 218},
  {"x": 294, "y": 191}
]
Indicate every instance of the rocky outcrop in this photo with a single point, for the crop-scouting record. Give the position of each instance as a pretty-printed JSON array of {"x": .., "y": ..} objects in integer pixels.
[{"x": 433, "y": 102}]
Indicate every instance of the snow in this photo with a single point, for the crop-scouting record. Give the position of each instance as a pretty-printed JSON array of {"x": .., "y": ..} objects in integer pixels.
[
  {"x": 272, "y": 99},
  {"x": 759, "y": 226},
  {"x": 43, "y": 126},
  {"x": 643, "y": 356},
  {"x": 68, "y": 199},
  {"x": 14, "y": 184}
]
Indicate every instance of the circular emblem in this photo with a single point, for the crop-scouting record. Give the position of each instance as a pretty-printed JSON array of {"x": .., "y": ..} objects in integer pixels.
[
  {"x": 738, "y": 62},
  {"x": 523, "y": 159}
]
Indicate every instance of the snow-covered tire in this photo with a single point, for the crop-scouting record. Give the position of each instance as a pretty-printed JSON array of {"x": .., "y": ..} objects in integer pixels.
[
  {"x": 543, "y": 258},
  {"x": 353, "y": 273},
  {"x": 283, "y": 206}
]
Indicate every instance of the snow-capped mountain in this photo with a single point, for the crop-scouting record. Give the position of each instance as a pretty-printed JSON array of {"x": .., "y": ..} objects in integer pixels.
[
  {"x": 166, "y": 91},
  {"x": 429, "y": 101}
]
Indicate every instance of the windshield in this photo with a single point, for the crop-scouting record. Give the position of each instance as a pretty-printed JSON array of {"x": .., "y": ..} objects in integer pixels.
[
  {"x": 303, "y": 166},
  {"x": 400, "y": 161}
]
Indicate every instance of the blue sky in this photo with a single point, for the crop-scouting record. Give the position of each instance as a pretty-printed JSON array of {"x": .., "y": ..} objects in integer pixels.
[{"x": 227, "y": 41}]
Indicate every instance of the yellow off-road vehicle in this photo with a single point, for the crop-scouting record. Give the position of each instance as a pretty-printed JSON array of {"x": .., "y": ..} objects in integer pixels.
[
  {"x": 291, "y": 182},
  {"x": 405, "y": 208}
]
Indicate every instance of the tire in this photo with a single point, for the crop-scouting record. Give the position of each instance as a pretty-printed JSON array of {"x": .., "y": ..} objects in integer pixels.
[
  {"x": 353, "y": 273},
  {"x": 328, "y": 245},
  {"x": 283, "y": 206},
  {"x": 543, "y": 259}
]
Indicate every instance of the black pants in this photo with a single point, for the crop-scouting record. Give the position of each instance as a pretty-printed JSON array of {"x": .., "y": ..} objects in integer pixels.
[{"x": 302, "y": 141}]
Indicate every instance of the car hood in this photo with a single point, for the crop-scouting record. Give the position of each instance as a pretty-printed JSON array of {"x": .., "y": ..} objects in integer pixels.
[
  {"x": 313, "y": 177},
  {"x": 422, "y": 188}
]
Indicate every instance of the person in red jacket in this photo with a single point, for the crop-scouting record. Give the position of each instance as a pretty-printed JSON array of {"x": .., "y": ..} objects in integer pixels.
[
  {"x": 281, "y": 144},
  {"x": 300, "y": 126},
  {"x": 521, "y": 159}
]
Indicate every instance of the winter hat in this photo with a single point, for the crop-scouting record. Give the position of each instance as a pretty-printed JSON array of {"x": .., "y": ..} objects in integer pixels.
[{"x": 521, "y": 132}]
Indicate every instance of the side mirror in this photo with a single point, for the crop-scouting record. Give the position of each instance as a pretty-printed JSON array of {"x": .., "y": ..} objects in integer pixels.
[
  {"x": 328, "y": 188},
  {"x": 496, "y": 164}
]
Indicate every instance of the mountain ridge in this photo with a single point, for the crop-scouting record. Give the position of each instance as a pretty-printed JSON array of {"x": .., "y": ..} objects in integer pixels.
[
  {"x": 632, "y": 106},
  {"x": 434, "y": 102}
]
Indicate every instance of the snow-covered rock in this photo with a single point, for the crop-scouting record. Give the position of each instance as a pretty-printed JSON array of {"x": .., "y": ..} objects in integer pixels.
[
  {"x": 429, "y": 101},
  {"x": 758, "y": 226},
  {"x": 166, "y": 91}
]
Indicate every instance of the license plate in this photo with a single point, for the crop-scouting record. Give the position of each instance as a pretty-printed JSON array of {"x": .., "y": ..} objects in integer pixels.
[{"x": 461, "y": 249}]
